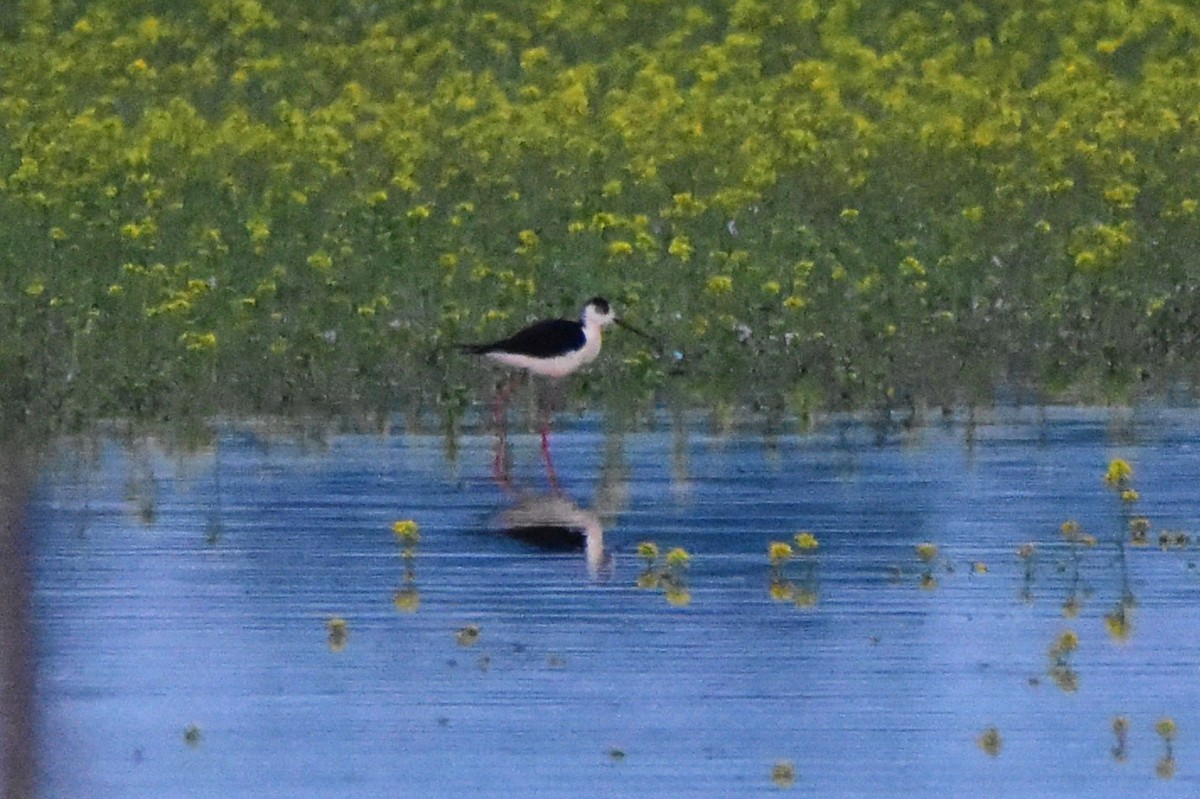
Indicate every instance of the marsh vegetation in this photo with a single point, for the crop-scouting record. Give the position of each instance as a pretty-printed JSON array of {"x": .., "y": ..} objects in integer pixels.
[{"x": 248, "y": 206}]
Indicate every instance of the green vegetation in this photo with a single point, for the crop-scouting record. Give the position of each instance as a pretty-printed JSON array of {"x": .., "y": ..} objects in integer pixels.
[{"x": 238, "y": 206}]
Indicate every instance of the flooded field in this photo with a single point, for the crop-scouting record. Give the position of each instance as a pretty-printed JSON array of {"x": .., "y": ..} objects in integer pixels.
[{"x": 995, "y": 608}]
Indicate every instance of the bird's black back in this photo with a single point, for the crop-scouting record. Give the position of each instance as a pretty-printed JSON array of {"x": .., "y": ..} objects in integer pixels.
[{"x": 544, "y": 339}]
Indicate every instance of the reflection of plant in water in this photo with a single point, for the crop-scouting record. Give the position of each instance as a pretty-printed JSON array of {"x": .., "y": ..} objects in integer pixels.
[
  {"x": 803, "y": 590},
  {"x": 467, "y": 636},
  {"x": 927, "y": 553},
  {"x": 1119, "y": 477},
  {"x": 990, "y": 741},
  {"x": 407, "y": 597},
  {"x": 141, "y": 488},
  {"x": 1077, "y": 542},
  {"x": 192, "y": 735},
  {"x": 1064, "y": 676},
  {"x": 1119, "y": 620},
  {"x": 339, "y": 633},
  {"x": 783, "y": 774},
  {"x": 1028, "y": 554},
  {"x": 1120, "y": 728},
  {"x": 1139, "y": 531},
  {"x": 668, "y": 574},
  {"x": 1166, "y": 764}
]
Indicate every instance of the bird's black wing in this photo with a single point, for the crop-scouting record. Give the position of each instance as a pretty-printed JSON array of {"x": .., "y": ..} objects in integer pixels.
[{"x": 544, "y": 339}]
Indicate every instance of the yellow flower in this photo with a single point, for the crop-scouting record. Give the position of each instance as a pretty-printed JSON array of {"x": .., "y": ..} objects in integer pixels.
[
  {"x": 1068, "y": 642},
  {"x": 648, "y": 550},
  {"x": 199, "y": 342},
  {"x": 806, "y": 540},
  {"x": 320, "y": 260},
  {"x": 678, "y": 558},
  {"x": 407, "y": 530},
  {"x": 1166, "y": 728},
  {"x": 927, "y": 552},
  {"x": 528, "y": 240},
  {"x": 620, "y": 247},
  {"x": 419, "y": 212},
  {"x": 779, "y": 552},
  {"x": 1129, "y": 495},
  {"x": 1119, "y": 472},
  {"x": 719, "y": 284},
  {"x": 681, "y": 248}
]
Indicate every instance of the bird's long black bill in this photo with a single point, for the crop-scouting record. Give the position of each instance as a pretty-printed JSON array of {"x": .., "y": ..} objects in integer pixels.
[
  {"x": 637, "y": 330},
  {"x": 654, "y": 341}
]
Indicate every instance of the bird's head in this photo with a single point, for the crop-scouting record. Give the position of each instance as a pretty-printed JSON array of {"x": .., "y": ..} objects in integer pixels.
[{"x": 598, "y": 313}]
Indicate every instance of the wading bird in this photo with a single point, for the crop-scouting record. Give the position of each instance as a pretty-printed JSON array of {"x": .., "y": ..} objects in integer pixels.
[{"x": 552, "y": 348}]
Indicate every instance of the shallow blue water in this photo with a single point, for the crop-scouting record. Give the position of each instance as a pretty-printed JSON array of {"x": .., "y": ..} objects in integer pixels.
[{"x": 195, "y": 589}]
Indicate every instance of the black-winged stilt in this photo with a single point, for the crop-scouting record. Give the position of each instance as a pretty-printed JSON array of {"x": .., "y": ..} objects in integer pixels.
[
  {"x": 554, "y": 347},
  {"x": 551, "y": 348}
]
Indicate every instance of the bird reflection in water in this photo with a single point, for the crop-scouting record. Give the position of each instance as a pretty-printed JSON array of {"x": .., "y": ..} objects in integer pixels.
[{"x": 554, "y": 522}]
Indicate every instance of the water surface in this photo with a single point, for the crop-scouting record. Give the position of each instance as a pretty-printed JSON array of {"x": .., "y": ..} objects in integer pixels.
[{"x": 184, "y": 602}]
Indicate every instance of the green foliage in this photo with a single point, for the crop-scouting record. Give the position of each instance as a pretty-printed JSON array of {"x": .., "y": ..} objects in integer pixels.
[{"x": 259, "y": 205}]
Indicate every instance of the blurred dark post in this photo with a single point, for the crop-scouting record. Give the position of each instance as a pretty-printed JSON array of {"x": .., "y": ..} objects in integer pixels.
[{"x": 17, "y": 764}]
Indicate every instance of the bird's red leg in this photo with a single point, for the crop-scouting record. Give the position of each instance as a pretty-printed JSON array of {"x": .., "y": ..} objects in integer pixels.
[
  {"x": 550, "y": 473},
  {"x": 548, "y": 411},
  {"x": 500, "y": 418}
]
